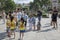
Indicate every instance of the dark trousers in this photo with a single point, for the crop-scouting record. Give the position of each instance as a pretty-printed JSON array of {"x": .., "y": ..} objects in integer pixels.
[{"x": 25, "y": 23}]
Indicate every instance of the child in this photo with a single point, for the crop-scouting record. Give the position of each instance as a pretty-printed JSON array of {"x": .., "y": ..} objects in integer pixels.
[
  {"x": 12, "y": 26},
  {"x": 30, "y": 22},
  {"x": 8, "y": 26},
  {"x": 38, "y": 26},
  {"x": 22, "y": 28},
  {"x": 33, "y": 21}
]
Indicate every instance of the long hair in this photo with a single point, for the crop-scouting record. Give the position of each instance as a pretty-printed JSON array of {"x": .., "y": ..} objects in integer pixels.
[
  {"x": 11, "y": 18},
  {"x": 22, "y": 20}
]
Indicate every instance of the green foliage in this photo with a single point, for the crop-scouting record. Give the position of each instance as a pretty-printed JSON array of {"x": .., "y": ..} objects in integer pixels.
[
  {"x": 7, "y": 5},
  {"x": 19, "y": 5},
  {"x": 37, "y": 4},
  {"x": 58, "y": 1}
]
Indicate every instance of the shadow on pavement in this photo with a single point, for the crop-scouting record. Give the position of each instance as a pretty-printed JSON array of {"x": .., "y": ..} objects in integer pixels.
[
  {"x": 27, "y": 31},
  {"x": 47, "y": 30},
  {"x": 46, "y": 26},
  {"x": 47, "y": 23},
  {"x": 3, "y": 35}
]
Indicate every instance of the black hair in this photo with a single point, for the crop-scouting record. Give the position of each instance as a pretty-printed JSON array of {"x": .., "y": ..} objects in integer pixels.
[
  {"x": 22, "y": 19},
  {"x": 11, "y": 18},
  {"x": 38, "y": 11},
  {"x": 18, "y": 9}
]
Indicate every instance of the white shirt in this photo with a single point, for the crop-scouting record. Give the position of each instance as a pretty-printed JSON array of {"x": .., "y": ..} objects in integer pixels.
[
  {"x": 25, "y": 17},
  {"x": 19, "y": 15}
]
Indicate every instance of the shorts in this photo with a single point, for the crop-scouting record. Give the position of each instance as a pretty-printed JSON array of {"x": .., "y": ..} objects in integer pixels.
[
  {"x": 8, "y": 29},
  {"x": 22, "y": 31},
  {"x": 54, "y": 20}
]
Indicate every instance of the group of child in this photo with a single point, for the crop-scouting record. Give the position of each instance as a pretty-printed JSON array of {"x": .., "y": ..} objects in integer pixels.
[
  {"x": 19, "y": 19},
  {"x": 12, "y": 22}
]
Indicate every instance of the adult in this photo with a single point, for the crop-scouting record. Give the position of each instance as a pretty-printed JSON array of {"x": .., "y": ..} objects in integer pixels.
[
  {"x": 54, "y": 17},
  {"x": 25, "y": 16},
  {"x": 19, "y": 14},
  {"x": 39, "y": 19}
]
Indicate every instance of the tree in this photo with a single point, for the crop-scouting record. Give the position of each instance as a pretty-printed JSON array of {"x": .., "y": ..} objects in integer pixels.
[
  {"x": 7, "y": 5},
  {"x": 37, "y": 4},
  {"x": 58, "y": 1}
]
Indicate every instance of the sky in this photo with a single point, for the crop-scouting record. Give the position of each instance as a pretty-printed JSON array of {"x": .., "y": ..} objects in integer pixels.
[{"x": 22, "y": 1}]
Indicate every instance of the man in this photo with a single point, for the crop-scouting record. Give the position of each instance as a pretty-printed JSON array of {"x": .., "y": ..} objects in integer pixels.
[{"x": 54, "y": 17}]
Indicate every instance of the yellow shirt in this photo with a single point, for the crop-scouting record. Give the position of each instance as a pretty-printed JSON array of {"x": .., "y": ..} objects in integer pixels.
[
  {"x": 7, "y": 23},
  {"x": 12, "y": 25},
  {"x": 22, "y": 26}
]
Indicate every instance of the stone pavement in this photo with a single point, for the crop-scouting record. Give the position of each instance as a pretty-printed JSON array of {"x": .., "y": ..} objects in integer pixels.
[{"x": 46, "y": 32}]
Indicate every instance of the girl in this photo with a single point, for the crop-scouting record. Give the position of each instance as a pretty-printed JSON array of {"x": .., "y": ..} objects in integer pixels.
[
  {"x": 21, "y": 28},
  {"x": 12, "y": 26},
  {"x": 8, "y": 26}
]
